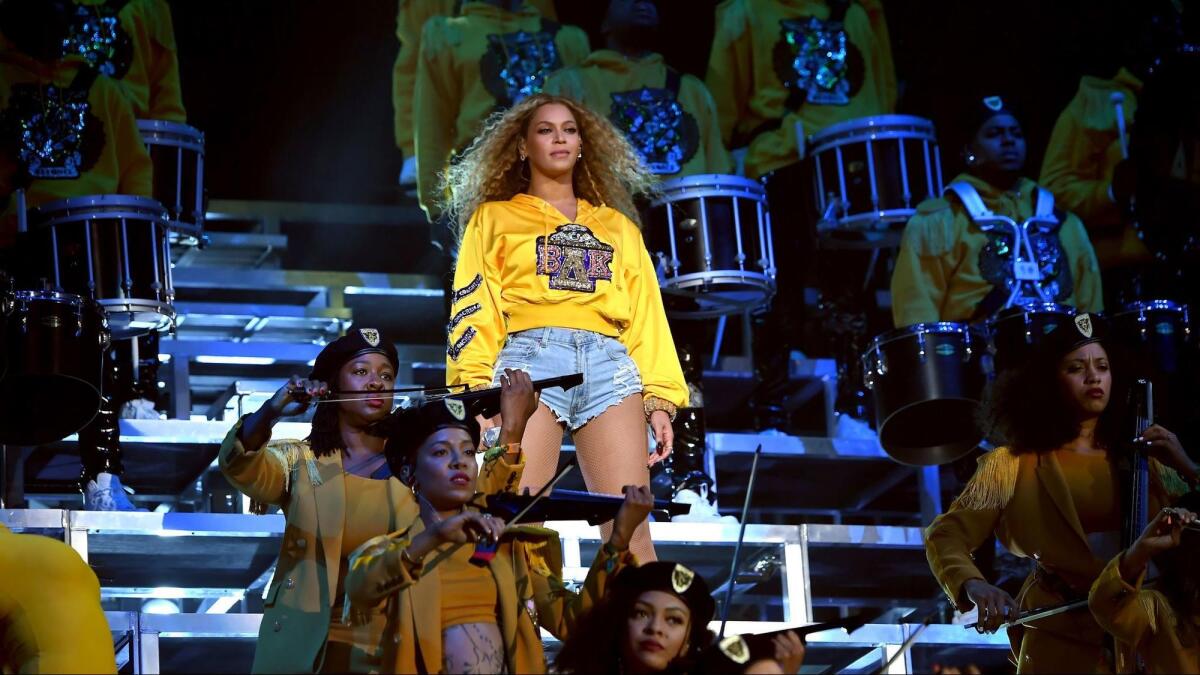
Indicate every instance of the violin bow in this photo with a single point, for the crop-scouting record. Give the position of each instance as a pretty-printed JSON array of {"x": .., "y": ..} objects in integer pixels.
[{"x": 737, "y": 550}]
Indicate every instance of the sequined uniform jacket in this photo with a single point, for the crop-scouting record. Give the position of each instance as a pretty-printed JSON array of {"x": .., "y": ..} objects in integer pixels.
[
  {"x": 475, "y": 64},
  {"x": 311, "y": 491},
  {"x": 98, "y": 149},
  {"x": 775, "y": 62},
  {"x": 1084, "y": 149},
  {"x": 523, "y": 265},
  {"x": 947, "y": 265},
  {"x": 676, "y": 133},
  {"x": 50, "y": 615},
  {"x": 527, "y": 569},
  {"x": 1025, "y": 501},
  {"x": 1143, "y": 620},
  {"x": 411, "y": 16},
  {"x": 148, "y": 69}
]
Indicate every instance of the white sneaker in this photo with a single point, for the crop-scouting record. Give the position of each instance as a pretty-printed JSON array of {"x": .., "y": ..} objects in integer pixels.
[{"x": 106, "y": 493}]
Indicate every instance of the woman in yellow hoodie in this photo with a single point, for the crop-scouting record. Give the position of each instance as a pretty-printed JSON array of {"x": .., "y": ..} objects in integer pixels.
[
  {"x": 553, "y": 278},
  {"x": 954, "y": 266}
]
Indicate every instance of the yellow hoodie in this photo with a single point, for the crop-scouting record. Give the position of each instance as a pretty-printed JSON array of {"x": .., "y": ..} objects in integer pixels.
[
  {"x": 759, "y": 92},
  {"x": 634, "y": 93},
  {"x": 473, "y": 65},
  {"x": 148, "y": 70},
  {"x": 947, "y": 265},
  {"x": 523, "y": 265},
  {"x": 411, "y": 16},
  {"x": 108, "y": 158},
  {"x": 1084, "y": 149}
]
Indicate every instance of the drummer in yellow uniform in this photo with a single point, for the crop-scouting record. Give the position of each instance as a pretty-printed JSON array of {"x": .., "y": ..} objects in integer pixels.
[
  {"x": 411, "y": 16},
  {"x": 956, "y": 262},
  {"x": 64, "y": 130},
  {"x": 839, "y": 68},
  {"x": 669, "y": 117},
  {"x": 494, "y": 54},
  {"x": 132, "y": 42}
]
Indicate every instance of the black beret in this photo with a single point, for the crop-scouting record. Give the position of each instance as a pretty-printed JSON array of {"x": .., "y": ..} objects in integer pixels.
[
  {"x": 355, "y": 342},
  {"x": 408, "y": 428},
  {"x": 668, "y": 577},
  {"x": 1084, "y": 329}
]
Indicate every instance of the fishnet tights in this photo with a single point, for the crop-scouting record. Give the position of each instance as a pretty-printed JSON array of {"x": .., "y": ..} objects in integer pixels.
[{"x": 612, "y": 453}]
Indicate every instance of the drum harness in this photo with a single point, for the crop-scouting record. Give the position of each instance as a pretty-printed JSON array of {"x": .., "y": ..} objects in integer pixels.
[{"x": 1025, "y": 265}]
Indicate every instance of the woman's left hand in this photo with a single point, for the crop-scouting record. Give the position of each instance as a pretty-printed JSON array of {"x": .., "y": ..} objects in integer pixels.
[
  {"x": 664, "y": 436},
  {"x": 1164, "y": 446}
]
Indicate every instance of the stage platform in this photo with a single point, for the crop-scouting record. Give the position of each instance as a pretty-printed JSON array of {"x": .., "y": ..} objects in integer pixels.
[{"x": 215, "y": 567}]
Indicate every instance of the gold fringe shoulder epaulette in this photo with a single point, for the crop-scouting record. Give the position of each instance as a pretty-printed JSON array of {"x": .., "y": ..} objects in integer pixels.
[
  {"x": 289, "y": 454},
  {"x": 994, "y": 482}
]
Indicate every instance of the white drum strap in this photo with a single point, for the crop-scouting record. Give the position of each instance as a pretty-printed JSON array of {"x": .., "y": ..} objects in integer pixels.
[
  {"x": 970, "y": 199},
  {"x": 1045, "y": 203}
]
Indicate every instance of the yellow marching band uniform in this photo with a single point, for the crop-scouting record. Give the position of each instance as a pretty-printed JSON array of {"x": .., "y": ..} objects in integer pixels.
[{"x": 375, "y": 586}]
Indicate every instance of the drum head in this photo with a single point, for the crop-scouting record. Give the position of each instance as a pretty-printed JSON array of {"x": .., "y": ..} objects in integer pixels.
[
  {"x": 45, "y": 408},
  {"x": 931, "y": 432}
]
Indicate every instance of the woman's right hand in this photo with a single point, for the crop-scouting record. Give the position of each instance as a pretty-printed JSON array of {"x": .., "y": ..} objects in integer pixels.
[
  {"x": 294, "y": 397},
  {"x": 469, "y": 526},
  {"x": 994, "y": 604}
]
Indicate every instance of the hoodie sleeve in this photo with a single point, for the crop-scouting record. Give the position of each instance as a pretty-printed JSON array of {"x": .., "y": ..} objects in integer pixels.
[
  {"x": 476, "y": 328},
  {"x": 648, "y": 336}
]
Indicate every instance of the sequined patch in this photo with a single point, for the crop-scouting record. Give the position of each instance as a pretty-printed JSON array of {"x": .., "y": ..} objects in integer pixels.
[
  {"x": 468, "y": 289},
  {"x": 461, "y": 315},
  {"x": 53, "y": 131},
  {"x": 816, "y": 62},
  {"x": 515, "y": 65},
  {"x": 96, "y": 34},
  {"x": 455, "y": 349},
  {"x": 574, "y": 259},
  {"x": 664, "y": 133},
  {"x": 996, "y": 266}
]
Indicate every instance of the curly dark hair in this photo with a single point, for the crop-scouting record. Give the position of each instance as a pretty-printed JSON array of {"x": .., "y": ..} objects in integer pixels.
[
  {"x": 594, "y": 646},
  {"x": 1027, "y": 410}
]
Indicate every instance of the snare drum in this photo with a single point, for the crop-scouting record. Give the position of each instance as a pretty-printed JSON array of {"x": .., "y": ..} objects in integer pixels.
[
  {"x": 927, "y": 383},
  {"x": 111, "y": 249},
  {"x": 1156, "y": 334},
  {"x": 177, "y": 152},
  {"x": 710, "y": 236},
  {"x": 1016, "y": 331},
  {"x": 870, "y": 173},
  {"x": 54, "y": 343}
]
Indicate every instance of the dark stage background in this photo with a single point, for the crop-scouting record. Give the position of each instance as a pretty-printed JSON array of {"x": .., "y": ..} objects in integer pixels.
[{"x": 295, "y": 97}]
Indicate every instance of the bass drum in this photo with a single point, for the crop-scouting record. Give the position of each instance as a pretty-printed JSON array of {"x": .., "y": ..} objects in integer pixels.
[
  {"x": 54, "y": 344},
  {"x": 927, "y": 383}
]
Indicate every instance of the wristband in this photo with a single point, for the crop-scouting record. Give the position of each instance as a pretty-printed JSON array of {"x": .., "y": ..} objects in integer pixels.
[{"x": 653, "y": 403}]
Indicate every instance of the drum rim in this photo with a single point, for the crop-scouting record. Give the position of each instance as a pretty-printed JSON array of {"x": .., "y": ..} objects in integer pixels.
[
  {"x": 48, "y": 295},
  {"x": 1035, "y": 308},
  {"x": 933, "y": 327},
  {"x": 96, "y": 201},
  {"x": 1161, "y": 304},
  {"x": 673, "y": 281},
  {"x": 677, "y": 189},
  {"x": 834, "y": 134},
  {"x": 181, "y": 128}
]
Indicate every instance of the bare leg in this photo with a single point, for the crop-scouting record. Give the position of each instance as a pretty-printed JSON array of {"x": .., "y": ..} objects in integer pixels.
[
  {"x": 612, "y": 454},
  {"x": 541, "y": 445}
]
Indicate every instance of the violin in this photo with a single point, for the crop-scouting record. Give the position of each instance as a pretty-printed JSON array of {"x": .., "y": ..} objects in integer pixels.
[
  {"x": 570, "y": 505},
  {"x": 483, "y": 402},
  {"x": 738, "y": 650}
]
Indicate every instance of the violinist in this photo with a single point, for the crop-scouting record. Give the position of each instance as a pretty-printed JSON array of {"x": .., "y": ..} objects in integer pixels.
[
  {"x": 654, "y": 619},
  {"x": 1049, "y": 493},
  {"x": 1161, "y": 624},
  {"x": 450, "y": 609}
]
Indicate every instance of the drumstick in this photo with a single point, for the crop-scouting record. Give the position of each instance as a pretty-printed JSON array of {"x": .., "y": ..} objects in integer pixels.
[{"x": 1118, "y": 101}]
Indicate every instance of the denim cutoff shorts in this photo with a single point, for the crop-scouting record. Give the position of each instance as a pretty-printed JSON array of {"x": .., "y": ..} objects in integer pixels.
[{"x": 609, "y": 374}]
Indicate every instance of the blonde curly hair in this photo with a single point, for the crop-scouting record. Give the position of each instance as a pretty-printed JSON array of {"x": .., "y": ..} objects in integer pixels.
[{"x": 610, "y": 173}]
